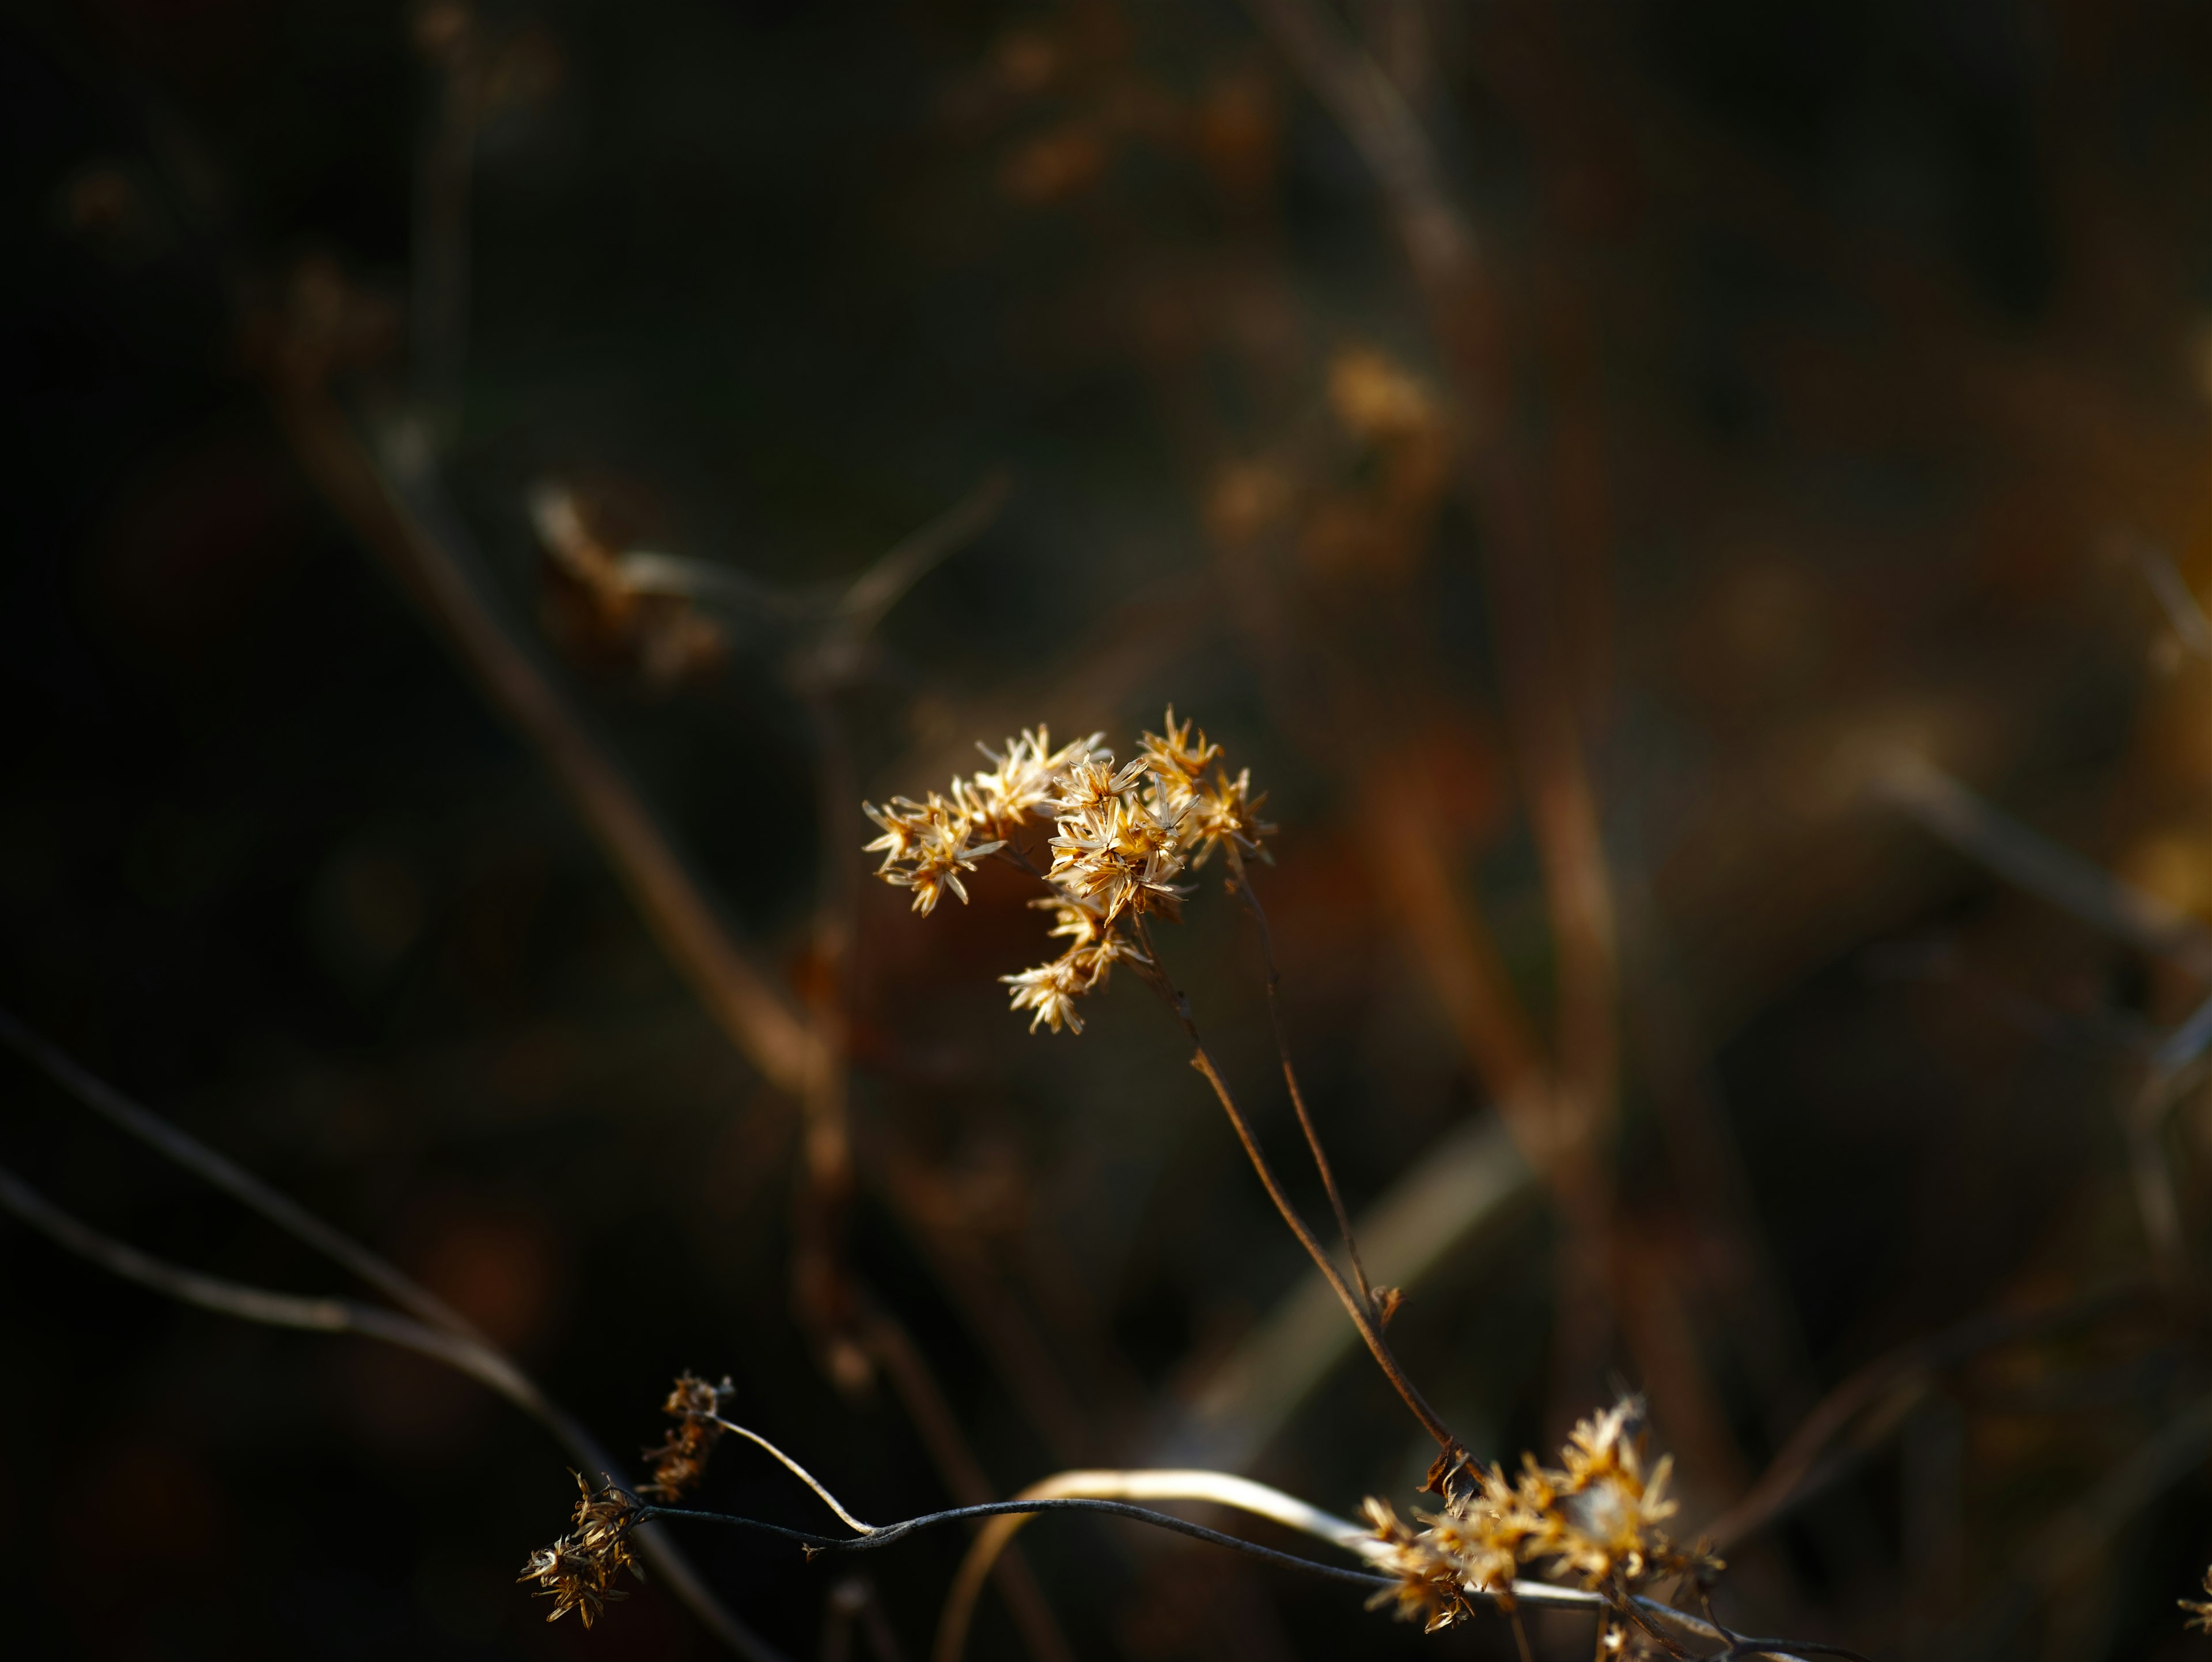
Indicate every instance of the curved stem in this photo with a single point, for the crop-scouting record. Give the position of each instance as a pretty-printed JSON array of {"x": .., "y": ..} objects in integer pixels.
[
  {"x": 1107, "y": 1491},
  {"x": 457, "y": 1348},
  {"x": 797, "y": 1472}
]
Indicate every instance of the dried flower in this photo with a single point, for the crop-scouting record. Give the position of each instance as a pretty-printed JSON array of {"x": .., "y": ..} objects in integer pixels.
[
  {"x": 1428, "y": 1590},
  {"x": 925, "y": 846},
  {"x": 1023, "y": 780},
  {"x": 2200, "y": 1611},
  {"x": 577, "y": 1571},
  {"x": 1121, "y": 835},
  {"x": 680, "y": 1461},
  {"x": 1595, "y": 1519}
]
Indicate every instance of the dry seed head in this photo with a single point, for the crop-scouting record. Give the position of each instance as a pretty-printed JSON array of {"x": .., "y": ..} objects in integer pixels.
[
  {"x": 1595, "y": 1519},
  {"x": 680, "y": 1461},
  {"x": 925, "y": 846},
  {"x": 1121, "y": 836},
  {"x": 1021, "y": 784},
  {"x": 578, "y": 1571}
]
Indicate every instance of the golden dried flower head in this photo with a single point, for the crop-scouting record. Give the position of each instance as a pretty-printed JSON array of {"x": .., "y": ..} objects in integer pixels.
[
  {"x": 1595, "y": 1518},
  {"x": 925, "y": 846},
  {"x": 1022, "y": 783},
  {"x": 1427, "y": 1589},
  {"x": 1121, "y": 836},
  {"x": 578, "y": 1571},
  {"x": 1175, "y": 755}
]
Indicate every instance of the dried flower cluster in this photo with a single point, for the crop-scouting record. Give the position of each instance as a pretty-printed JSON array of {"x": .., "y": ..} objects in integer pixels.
[
  {"x": 1121, "y": 836},
  {"x": 2200, "y": 1610},
  {"x": 578, "y": 1571},
  {"x": 1594, "y": 1519},
  {"x": 681, "y": 1460}
]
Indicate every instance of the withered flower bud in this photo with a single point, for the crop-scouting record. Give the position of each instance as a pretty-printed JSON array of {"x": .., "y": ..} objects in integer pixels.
[
  {"x": 680, "y": 1461},
  {"x": 577, "y": 1571}
]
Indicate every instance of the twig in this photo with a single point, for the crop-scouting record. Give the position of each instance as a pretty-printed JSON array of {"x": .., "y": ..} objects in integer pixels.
[
  {"x": 906, "y": 562},
  {"x": 1290, "y": 1078},
  {"x": 956, "y": 1463},
  {"x": 1112, "y": 1490},
  {"x": 2181, "y": 608},
  {"x": 391, "y": 502},
  {"x": 233, "y": 1179},
  {"x": 1795, "y": 1474},
  {"x": 2142, "y": 1123},
  {"x": 1466, "y": 1181},
  {"x": 1362, "y": 1314},
  {"x": 797, "y": 1472},
  {"x": 2064, "y": 878},
  {"x": 1468, "y": 322},
  {"x": 889, "y": 1534},
  {"x": 460, "y": 1350}
]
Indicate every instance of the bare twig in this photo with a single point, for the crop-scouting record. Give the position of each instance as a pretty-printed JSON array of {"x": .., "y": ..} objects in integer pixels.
[
  {"x": 2184, "y": 611},
  {"x": 1290, "y": 1078},
  {"x": 1467, "y": 318},
  {"x": 894, "y": 1349},
  {"x": 1468, "y": 1180},
  {"x": 906, "y": 562},
  {"x": 458, "y": 1349},
  {"x": 2064, "y": 878},
  {"x": 1110, "y": 1492},
  {"x": 391, "y": 503},
  {"x": 1362, "y": 1314},
  {"x": 1798, "y": 1473}
]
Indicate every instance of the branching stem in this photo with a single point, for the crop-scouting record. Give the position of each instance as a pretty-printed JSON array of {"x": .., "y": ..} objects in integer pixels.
[
  {"x": 1291, "y": 1077},
  {"x": 1358, "y": 1308}
]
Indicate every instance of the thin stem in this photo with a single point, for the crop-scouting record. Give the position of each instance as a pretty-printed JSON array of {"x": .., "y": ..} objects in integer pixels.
[
  {"x": 1289, "y": 1074},
  {"x": 1107, "y": 1491},
  {"x": 1796, "y": 1473},
  {"x": 1360, "y": 1311},
  {"x": 460, "y": 1350},
  {"x": 889, "y": 1533},
  {"x": 390, "y": 496},
  {"x": 894, "y": 1349},
  {"x": 797, "y": 1472}
]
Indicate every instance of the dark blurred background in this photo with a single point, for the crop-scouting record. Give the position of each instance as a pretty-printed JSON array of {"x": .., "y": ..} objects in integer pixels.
[{"x": 1818, "y": 393}]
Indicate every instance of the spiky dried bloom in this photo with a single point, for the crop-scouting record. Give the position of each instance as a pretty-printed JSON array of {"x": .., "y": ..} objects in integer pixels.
[
  {"x": 578, "y": 1571},
  {"x": 925, "y": 846},
  {"x": 2200, "y": 1610},
  {"x": 1024, "y": 778},
  {"x": 680, "y": 1461},
  {"x": 1594, "y": 1519},
  {"x": 1121, "y": 835}
]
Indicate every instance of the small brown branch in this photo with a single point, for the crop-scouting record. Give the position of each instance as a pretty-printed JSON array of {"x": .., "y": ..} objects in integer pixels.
[
  {"x": 906, "y": 562},
  {"x": 2057, "y": 875},
  {"x": 377, "y": 499},
  {"x": 1798, "y": 1472},
  {"x": 1361, "y": 1311},
  {"x": 895, "y": 1350},
  {"x": 460, "y": 1350},
  {"x": 1290, "y": 1078}
]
